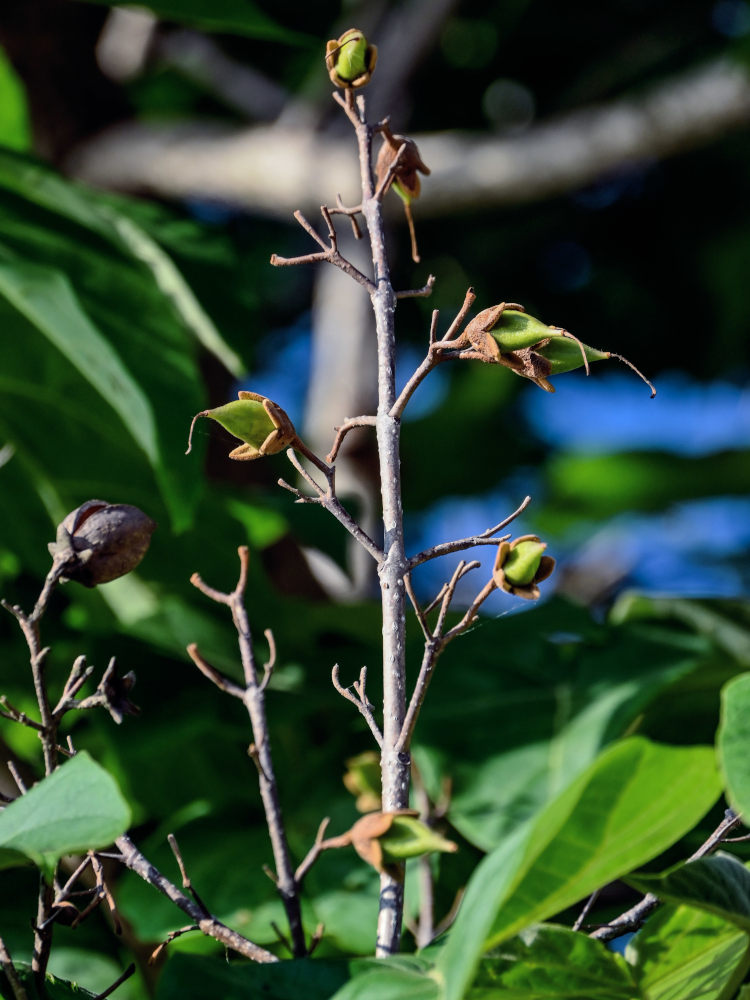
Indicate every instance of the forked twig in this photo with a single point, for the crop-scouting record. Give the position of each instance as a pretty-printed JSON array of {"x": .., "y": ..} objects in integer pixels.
[
  {"x": 330, "y": 253},
  {"x": 359, "y": 699}
]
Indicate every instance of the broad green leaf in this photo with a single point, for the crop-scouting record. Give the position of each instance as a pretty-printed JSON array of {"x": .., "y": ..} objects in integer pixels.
[
  {"x": 118, "y": 288},
  {"x": 390, "y": 979},
  {"x": 314, "y": 979},
  {"x": 719, "y": 884},
  {"x": 74, "y": 809},
  {"x": 174, "y": 287},
  {"x": 54, "y": 988},
  {"x": 15, "y": 127},
  {"x": 685, "y": 954},
  {"x": 533, "y": 729},
  {"x": 45, "y": 298},
  {"x": 239, "y": 17},
  {"x": 733, "y": 742},
  {"x": 632, "y": 803},
  {"x": 549, "y": 962}
]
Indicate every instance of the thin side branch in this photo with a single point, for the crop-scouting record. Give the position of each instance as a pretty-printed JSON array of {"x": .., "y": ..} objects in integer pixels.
[
  {"x": 634, "y": 918},
  {"x": 418, "y": 293},
  {"x": 359, "y": 699},
  {"x": 216, "y": 677},
  {"x": 348, "y": 425},
  {"x": 329, "y": 253},
  {"x": 328, "y": 499},
  {"x": 488, "y": 537},
  {"x": 132, "y": 858}
]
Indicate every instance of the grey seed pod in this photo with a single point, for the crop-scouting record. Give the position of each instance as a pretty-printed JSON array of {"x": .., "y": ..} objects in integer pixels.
[{"x": 99, "y": 541}]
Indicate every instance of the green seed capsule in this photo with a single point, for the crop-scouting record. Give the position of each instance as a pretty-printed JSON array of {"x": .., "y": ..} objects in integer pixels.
[
  {"x": 516, "y": 330},
  {"x": 350, "y": 61},
  {"x": 565, "y": 354},
  {"x": 408, "y": 837},
  {"x": 263, "y": 426},
  {"x": 522, "y": 562}
]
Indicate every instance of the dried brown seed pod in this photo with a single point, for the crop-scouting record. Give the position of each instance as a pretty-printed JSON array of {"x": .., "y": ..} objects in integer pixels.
[{"x": 99, "y": 541}]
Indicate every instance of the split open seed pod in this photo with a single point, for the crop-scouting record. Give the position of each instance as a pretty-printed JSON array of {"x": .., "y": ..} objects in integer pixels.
[
  {"x": 350, "y": 60},
  {"x": 257, "y": 421},
  {"x": 385, "y": 839},
  {"x": 506, "y": 334},
  {"x": 520, "y": 565}
]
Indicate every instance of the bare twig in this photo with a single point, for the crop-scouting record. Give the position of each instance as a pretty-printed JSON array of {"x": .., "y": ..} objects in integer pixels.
[
  {"x": 329, "y": 253},
  {"x": 6, "y": 964},
  {"x": 268, "y": 666},
  {"x": 216, "y": 677},
  {"x": 327, "y": 499},
  {"x": 186, "y": 881},
  {"x": 488, "y": 537},
  {"x": 438, "y": 351},
  {"x": 421, "y": 617},
  {"x": 348, "y": 425},
  {"x": 321, "y": 843},
  {"x": 581, "y": 918},
  {"x": 418, "y": 293},
  {"x": 253, "y": 698},
  {"x": 16, "y": 775},
  {"x": 173, "y": 935},
  {"x": 359, "y": 699},
  {"x": 15, "y": 715},
  {"x": 635, "y": 917},
  {"x": 132, "y": 858}
]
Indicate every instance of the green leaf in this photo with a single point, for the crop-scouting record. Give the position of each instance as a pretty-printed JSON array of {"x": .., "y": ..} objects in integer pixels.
[
  {"x": 239, "y": 17},
  {"x": 74, "y": 809},
  {"x": 733, "y": 742},
  {"x": 15, "y": 127},
  {"x": 534, "y": 729},
  {"x": 548, "y": 962},
  {"x": 45, "y": 298},
  {"x": 390, "y": 979},
  {"x": 719, "y": 884},
  {"x": 313, "y": 979},
  {"x": 685, "y": 954},
  {"x": 633, "y": 802}
]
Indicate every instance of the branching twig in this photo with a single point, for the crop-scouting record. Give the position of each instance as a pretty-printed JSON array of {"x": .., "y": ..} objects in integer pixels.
[
  {"x": 359, "y": 699},
  {"x": 172, "y": 936},
  {"x": 253, "y": 697},
  {"x": 348, "y": 425},
  {"x": 488, "y": 537},
  {"x": 437, "y": 352},
  {"x": 329, "y": 501},
  {"x": 132, "y": 858},
  {"x": 216, "y": 677},
  {"x": 418, "y": 293},
  {"x": 329, "y": 253},
  {"x": 634, "y": 918}
]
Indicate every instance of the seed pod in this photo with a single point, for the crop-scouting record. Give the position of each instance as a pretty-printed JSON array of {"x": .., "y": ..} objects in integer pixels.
[
  {"x": 99, "y": 541},
  {"x": 350, "y": 60},
  {"x": 384, "y": 839},
  {"x": 505, "y": 334},
  {"x": 520, "y": 565},
  {"x": 404, "y": 178},
  {"x": 258, "y": 421}
]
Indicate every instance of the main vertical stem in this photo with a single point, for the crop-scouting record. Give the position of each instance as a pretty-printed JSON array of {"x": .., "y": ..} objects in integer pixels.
[{"x": 395, "y": 767}]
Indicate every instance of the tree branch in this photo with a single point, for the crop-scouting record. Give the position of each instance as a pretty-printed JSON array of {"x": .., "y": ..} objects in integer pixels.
[{"x": 267, "y": 169}]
